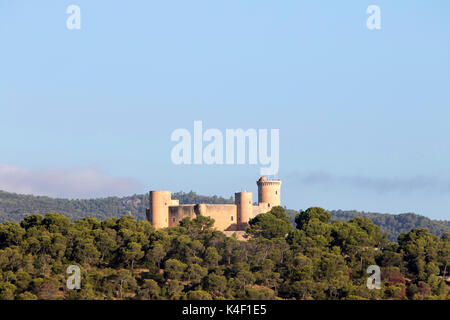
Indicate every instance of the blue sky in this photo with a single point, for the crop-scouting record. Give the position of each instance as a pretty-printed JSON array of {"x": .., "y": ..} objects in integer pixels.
[{"x": 362, "y": 114}]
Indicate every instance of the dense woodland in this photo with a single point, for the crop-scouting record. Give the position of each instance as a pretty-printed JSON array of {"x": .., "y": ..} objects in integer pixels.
[
  {"x": 15, "y": 207},
  {"x": 128, "y": 259},
  {"x": 395, "y": 224}
]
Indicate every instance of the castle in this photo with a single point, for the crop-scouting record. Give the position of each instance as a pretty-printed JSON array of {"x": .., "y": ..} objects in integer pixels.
[{"x": 165, "y": 212}]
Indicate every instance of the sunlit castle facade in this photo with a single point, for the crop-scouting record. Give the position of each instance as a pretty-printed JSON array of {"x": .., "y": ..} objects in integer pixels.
[{"x": 164, "y": 212}]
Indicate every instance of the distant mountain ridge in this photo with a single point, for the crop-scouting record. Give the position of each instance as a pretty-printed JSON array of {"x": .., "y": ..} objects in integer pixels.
[
  {"x": 395, "y": 224},
  {"x": 14, "y": 207},
  {"x": 392, "y": 224}
]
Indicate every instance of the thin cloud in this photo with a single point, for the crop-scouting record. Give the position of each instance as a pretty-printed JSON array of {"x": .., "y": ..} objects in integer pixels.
[
  {"x": 380, "y": 185},
  {"x": 65, "y": 183}
]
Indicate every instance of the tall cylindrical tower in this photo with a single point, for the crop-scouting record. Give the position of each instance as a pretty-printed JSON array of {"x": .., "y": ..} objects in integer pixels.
[
  {"x": 243, "y": 201},
  {"x": 269, "y": 191},
  {"x": 158, "y": 213}
]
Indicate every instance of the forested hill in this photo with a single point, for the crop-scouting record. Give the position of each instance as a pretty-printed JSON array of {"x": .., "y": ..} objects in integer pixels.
[
  {"x": 395, "y": 224},
  {"x": 392, "y": 224},
  {"x": 129, "y": 260},
  {"x": 14, "y": 207}
]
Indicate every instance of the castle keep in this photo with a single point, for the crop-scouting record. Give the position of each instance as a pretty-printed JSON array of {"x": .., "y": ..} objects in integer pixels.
[{"x": 165, "y": 212}]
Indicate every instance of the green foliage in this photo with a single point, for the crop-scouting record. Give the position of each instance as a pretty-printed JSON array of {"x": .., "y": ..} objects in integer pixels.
[
  {"x": 394, "y": 225},
  {"x": 175, "y": 269},
  {"x": 272, "y": 224},
  {"x": 198, "y": 295},
  {"x": 304, "y": 217},
  {"x": 128, "y": 259}
]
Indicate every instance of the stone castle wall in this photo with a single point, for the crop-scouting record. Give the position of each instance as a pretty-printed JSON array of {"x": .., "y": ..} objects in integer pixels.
[{"x": 165, "y": 212}]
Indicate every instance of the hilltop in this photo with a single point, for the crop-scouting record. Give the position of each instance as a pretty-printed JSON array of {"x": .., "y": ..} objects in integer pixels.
[
  {"x": 392, "y": 224},
  {"x": 14, "y": 207}
]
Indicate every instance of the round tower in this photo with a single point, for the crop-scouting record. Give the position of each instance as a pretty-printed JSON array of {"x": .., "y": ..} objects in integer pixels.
[
  {"x": 269, "y": 191},
  {"x": 243, "y": 201},
  {"x": 158, "y": 213}
]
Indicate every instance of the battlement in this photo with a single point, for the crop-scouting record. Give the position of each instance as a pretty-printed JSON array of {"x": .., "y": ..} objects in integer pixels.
[{"x": 269, "y": 183}]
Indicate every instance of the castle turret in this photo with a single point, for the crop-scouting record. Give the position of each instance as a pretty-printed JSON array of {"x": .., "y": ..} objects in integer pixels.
[
  {"x": 158, "y": 212},
  {"x": 269, "y": 192},
  {"x": 243, "y": 201}
]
